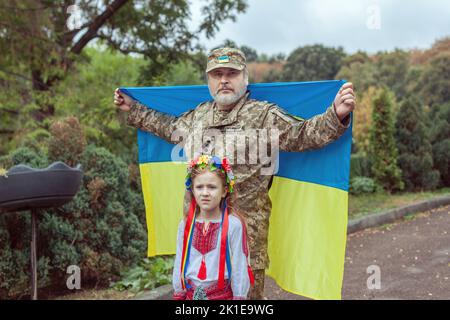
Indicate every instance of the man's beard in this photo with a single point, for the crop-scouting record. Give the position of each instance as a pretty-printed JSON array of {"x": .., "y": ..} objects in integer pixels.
[{"x": 230, "y": 98}]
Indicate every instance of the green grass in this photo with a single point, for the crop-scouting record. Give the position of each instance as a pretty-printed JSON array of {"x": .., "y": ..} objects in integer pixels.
[{"x": 366, "y": 204}]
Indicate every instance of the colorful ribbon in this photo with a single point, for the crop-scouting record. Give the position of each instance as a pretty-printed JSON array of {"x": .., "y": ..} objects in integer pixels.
[{"x": 187, "y": 243}]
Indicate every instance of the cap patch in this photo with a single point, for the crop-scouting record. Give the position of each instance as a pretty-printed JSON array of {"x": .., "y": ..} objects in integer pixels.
[{"x": 223, "y": 59}]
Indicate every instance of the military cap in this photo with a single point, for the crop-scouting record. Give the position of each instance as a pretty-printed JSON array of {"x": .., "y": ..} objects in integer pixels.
[{"x": 225, "y": 58}]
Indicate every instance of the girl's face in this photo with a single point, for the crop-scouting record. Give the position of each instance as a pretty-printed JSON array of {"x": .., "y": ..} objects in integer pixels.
[{"x": 208, "y": 190}]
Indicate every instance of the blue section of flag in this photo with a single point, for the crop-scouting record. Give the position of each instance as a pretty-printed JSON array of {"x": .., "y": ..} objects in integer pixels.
[{"x": 329, "y": 166}]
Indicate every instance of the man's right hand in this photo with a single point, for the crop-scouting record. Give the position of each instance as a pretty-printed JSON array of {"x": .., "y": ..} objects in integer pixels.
[{"x": 122, "y": 101}]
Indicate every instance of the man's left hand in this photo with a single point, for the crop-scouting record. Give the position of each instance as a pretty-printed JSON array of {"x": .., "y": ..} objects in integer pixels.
[{"x": 345, "y": 101}]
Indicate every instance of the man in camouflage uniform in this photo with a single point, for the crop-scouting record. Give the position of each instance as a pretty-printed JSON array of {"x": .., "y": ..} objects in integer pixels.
[{"x": 233, "y": 111}]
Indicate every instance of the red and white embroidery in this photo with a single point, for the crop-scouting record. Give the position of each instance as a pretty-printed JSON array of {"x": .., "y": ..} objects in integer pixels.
[{"x": 205, "y": 243}]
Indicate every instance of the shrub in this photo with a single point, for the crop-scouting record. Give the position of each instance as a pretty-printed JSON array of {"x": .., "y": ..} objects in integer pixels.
[
  {"x": 360, "y": 166},
  {"x": 67, "y": 141},
  {"x": 99, "y": 230},
  {"x": 149, "y": 274},
  {"x": 360, "y": 185}
]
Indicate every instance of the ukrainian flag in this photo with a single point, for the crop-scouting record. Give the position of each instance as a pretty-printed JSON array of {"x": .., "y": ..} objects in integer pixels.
[{"x": 309, "y": 194}]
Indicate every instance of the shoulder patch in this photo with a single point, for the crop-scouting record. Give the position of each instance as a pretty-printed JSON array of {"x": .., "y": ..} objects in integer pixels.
[{"x": 282, "y": 114}]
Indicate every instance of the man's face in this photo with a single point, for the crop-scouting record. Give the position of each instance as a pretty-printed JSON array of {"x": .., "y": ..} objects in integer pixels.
[{"x": 227, "y": 85}]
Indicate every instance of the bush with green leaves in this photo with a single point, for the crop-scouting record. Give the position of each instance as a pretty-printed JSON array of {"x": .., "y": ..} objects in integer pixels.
[
  {"x": 360, "y": 166},
  {"x": 102, "y": 230},
  {"x": 148, "y": 274},
  {"x": 361, "y": 185}
]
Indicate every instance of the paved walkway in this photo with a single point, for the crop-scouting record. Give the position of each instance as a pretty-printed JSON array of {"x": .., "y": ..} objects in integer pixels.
[{"x": 413, "y": 255}]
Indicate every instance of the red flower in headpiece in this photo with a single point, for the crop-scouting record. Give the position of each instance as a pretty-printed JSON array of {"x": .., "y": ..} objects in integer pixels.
[{"x": 226, "y": 165}]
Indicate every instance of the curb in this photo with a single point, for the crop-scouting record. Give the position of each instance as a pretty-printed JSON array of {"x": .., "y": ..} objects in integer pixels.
[
  {"x": 377, "y": 219},
  {"x": 165, "y": 292}
]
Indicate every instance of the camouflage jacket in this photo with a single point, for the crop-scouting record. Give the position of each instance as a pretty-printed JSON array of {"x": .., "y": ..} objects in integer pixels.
[{"x": 258, "y": 122}]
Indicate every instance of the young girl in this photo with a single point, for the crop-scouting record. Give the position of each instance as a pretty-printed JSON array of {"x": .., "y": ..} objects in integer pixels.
[{"x": 212, "y": 261}]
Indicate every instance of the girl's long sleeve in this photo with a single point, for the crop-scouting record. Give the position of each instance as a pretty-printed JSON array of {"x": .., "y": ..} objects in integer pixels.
[{"x": 240, "y": 278}]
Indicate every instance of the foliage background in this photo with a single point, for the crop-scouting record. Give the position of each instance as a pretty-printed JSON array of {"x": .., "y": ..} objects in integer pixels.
[{"x": 56, "y": 97}]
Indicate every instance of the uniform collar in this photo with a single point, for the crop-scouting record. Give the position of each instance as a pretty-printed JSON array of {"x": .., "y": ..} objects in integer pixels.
[{"x": 232, "y": 116}]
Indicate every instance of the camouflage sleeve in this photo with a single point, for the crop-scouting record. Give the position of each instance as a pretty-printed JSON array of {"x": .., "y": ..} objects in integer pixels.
[
  {"x": 296, "y": 134},
  {"x": 159, "y": 123}
]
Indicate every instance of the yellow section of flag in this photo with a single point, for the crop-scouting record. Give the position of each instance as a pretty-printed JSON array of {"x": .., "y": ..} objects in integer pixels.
[{"x": 307, "y": 238}]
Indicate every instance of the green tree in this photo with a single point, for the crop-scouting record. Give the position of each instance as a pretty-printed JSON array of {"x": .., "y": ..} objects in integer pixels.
[
  {"x": 86, "y": 94},
  {"x": 229, "y": 43},
  {"x": 382, "y": 149},
  {"x": 39, "y": 50},
  {"x": 362, "y": 119},
  {"x": 392, "y": 70},
  {"x": 250, "y": 54},
  {"x": 184, "y": 73},
  {"x": 360, "y": 70},
  {"x": 415, "y": 153},
  {"x": 357, "y": 57},
  {"x": 277, "y": 57},
  {"x": 273, "y": 75},
  {"x": 434, "y": 85},
  {"x": 413, "y": 83},
  {"x": 440, "y": 140},
  {"x": 263, "y": 57},
  {"x": 315, "y": 62}
]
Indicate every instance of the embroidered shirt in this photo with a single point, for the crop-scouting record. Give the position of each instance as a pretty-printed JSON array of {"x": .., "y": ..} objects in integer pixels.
[{"x": 209, "y": 245}]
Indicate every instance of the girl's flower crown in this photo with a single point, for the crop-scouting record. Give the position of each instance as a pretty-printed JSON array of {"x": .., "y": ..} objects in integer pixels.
[{"x": 214, "y": 163}]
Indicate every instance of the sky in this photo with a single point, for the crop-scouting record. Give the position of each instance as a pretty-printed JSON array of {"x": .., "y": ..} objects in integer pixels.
[{"x": 274, "y": 26}]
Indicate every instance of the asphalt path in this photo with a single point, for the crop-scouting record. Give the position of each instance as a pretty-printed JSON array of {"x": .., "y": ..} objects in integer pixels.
[{"x": 408, "y": 259}]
